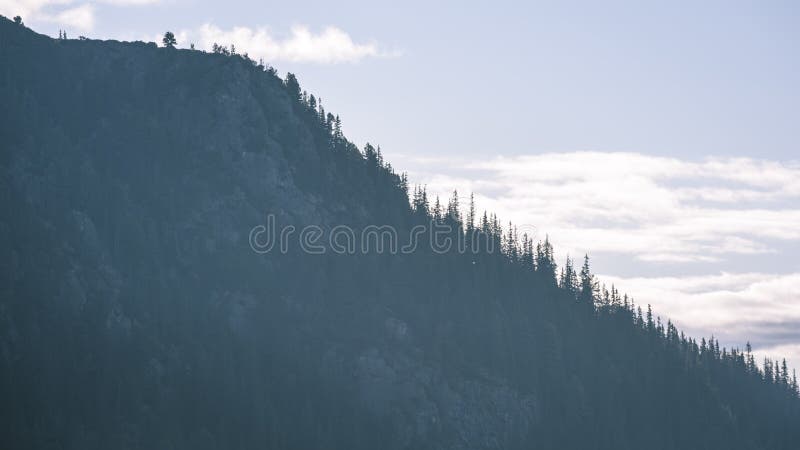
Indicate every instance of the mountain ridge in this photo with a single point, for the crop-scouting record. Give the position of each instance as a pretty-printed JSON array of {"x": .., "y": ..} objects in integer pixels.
[{"x": 131, "y": 178}]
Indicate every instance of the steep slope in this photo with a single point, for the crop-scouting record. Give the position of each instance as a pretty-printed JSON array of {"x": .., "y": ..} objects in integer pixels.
[{"x": 135, "y": 314}]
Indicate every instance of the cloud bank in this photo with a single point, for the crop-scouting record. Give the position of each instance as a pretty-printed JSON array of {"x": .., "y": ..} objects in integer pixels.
[
  {"x": 331, "y": 45},
  {"x": 647, "y": 214},
  {"x": 652, "y": 208},
  {"x": 757, "y": 307}
]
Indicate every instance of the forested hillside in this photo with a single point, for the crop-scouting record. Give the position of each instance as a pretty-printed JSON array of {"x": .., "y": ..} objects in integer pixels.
[{"x": 134, "y": 312}]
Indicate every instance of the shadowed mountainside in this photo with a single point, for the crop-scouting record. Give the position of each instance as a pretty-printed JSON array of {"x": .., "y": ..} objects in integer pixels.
[{"x": 135, "y": 314}]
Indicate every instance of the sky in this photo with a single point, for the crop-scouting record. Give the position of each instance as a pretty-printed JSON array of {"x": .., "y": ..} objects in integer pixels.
[{"x": 659, "y": 137}]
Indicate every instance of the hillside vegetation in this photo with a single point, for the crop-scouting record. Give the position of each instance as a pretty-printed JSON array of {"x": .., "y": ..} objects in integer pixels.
[{"x": 135, "y": 314}]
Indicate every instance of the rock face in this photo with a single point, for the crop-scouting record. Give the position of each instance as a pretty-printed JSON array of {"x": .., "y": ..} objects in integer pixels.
[{"x": 135, "y": 314}]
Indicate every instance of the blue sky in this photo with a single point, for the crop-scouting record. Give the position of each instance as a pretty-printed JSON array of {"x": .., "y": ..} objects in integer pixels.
[
  {"x": 669, "y": 78},
  {"x": 662, "y": 137}
]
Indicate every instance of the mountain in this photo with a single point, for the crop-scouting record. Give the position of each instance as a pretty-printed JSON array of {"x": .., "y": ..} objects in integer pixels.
[{"x": 138, "y": 311}]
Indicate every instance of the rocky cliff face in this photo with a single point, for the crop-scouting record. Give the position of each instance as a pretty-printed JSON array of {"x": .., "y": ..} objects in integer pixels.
[{"x": 135, "y": 314}]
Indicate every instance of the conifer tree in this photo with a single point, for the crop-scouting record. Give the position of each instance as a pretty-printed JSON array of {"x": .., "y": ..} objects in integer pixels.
[
  {"x": 471, "y": 214},
  {"x": 588, "y": 285},
  {"x": 545, "y": 263},
  {"x": 750, "y": 360},
  {"x": 420, "y": 203},
  {"x": 527, "y": 252},
  {"x": 497, "y": 233},
  {"x": 605, "y": 297},
  {"x": 404, "y": 183},
  {"x": 485, "y": 243},
  {"x": 292, "y": 86},
  {"x": 169, "y": 40},
  {"x": 569, "y": 280},
  {"x": 379, "y": 156},
  {"x": 329, "y": 122},
  {"x": 437, "y": 211},
  {"x": 510, "y": 244},
  {"x": 321, "y": 114},
  {"x": 337, "y": 129},
  {"x": 784, "y": 373},
  {"x": 453, "y": 213},
  {"x": 768, "y": 370}
]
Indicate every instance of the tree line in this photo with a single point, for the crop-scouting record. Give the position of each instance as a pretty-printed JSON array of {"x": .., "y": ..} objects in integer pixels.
[{"x": 485, "y": 236}]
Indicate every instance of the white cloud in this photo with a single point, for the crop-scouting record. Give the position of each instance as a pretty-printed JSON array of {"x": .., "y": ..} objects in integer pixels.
[
  {"x": 28, "y": 9},
  {"x": 129, "y": 2},
  {"x": 331, "y": 45},
  {"x": 653, "y": 208},
  {"x": 55, "y": 11},
  {"x": 80, "y": 17},
  {"x": 61, "y": 12}
]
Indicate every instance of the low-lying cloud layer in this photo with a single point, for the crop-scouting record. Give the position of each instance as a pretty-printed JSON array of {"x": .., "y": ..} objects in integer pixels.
[
  {"x": 757, "y": 307},
  {"x": 713, "y": 221},
  {"x": 651, "y": 208}
]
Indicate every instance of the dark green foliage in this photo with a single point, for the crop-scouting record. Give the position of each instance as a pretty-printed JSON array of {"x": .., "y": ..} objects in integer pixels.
[
  {"x": 169, "y": 40},
  {"x": 588, "y": 286},
  {"x": 134, "y": 314}
]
